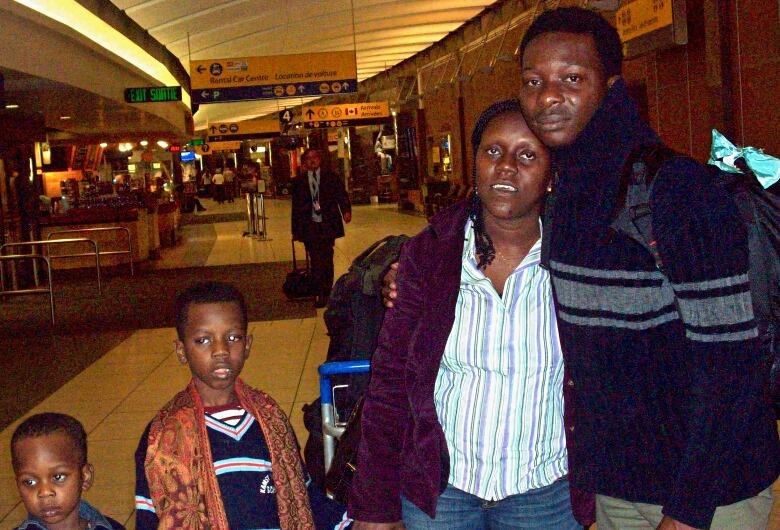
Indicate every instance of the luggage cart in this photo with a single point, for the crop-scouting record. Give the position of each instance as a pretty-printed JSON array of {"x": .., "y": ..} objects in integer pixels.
[{"x": 332, "y": 426}]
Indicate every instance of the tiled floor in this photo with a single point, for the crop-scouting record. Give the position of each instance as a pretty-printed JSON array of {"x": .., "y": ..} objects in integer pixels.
[{"x": 117, "y": 395}]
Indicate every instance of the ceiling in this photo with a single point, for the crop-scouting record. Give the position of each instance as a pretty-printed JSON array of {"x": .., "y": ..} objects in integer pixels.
[
  {"x": 70, "y": 112},
  {"x": 384, "y": 33}
]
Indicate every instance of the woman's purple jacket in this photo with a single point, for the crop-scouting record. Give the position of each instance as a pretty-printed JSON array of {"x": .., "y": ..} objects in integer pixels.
[{"x": 403, "y": 450}]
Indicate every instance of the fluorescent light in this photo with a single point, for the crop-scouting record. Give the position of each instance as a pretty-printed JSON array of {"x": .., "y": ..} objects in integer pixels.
[
  {"x": 64, "y": 117},
  {"x": 77, "y": 17},
  {"x": 103, "y": 145},
  {"x": 12, "y": 106},
  {"x": 144, "y": 143},
  {"x": 163, "y": 144}
]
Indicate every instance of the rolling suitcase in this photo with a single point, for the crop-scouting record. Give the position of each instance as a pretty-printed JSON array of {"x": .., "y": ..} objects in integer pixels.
[{"x": 298, "y": 284}]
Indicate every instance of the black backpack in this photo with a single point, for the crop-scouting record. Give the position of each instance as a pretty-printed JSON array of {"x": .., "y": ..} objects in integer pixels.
[
  {"x": 760, "y": 211},
  {"x": 353, "y": 317}
]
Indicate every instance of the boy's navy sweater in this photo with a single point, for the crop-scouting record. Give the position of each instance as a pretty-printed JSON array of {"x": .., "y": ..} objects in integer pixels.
[{"x": 670, "y": 404}]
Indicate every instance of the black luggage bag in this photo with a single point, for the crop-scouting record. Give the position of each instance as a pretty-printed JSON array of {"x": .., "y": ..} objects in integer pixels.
[{"x": 298, "y": 284}]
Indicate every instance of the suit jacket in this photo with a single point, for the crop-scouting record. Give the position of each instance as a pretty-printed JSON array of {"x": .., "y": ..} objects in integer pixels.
[
  {"x": 333, "y": 202},
  {"x": 403, "y": 450}
]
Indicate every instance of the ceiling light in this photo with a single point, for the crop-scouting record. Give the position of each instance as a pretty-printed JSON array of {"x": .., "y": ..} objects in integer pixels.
[
  {"x": 163, "y": 144},
  {"x": 12, "y": 106},
  {"x": 144, "y": 143},
  {"x": 103, "y": 145},
  {"x": 65, "y": 117}
]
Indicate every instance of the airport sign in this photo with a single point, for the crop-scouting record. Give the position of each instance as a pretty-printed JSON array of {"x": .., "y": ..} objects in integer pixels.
[
  {"x": 315, "y": 116},
  {"x": 273, "y": 77},
  {"x": 153, "y": 94},
  {"x": 244, "y": 130}
]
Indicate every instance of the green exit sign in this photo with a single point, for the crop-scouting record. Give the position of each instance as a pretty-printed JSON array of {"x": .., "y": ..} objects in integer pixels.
[
  {"x": 154, "y": 94},
  {"x": 196, "y": 141}
]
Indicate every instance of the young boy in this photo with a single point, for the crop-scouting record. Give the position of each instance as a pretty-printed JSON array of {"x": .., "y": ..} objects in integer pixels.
[
  {"x": 221, "y": 454},
  {"x": 49, "y": 457}
]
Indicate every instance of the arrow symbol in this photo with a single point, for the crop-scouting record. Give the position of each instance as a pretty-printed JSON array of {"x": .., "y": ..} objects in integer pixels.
[
  {"x": 345, "y": 86},
  {"x": 200, "y": 68},
  {"x": 204, "y": 94},
  {"x": 310, "y": 114},
  {"x": 301, "y": 88},
  {"x": 213, "y": 129}
]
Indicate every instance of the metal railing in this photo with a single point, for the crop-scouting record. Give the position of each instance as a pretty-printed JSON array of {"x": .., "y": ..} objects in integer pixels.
[
  {"x": 37, "y": 290},
  {"x": 50, "y": 242},
  {"x": 129, "y": 250}
]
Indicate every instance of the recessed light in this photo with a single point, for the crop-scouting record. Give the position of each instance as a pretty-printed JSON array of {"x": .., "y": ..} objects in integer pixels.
[
  {"x": 64, "y": 117},
  {"x": 163, "y": 144},
  {"x": 144, "y": 143},
  {"x": 103, "y": 145},
  {"x": 12, "y": 106}
]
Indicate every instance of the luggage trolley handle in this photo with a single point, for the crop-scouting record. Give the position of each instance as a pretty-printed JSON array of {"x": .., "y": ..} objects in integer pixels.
[{"x": 330, "y": 431}]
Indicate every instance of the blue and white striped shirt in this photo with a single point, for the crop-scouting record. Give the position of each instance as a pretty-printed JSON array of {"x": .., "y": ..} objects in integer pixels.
[{"x": 499, "y": 390}]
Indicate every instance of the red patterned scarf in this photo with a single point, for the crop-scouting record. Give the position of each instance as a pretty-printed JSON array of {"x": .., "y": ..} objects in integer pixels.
[{"x": 180, "y": 470}]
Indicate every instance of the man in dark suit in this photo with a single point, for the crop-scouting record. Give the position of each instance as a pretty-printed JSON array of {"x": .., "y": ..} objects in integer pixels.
[{"x": 319, "y": 203}]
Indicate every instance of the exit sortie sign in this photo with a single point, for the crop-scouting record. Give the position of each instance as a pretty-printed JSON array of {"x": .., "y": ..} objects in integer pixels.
[{"x": 154, "y": 94}]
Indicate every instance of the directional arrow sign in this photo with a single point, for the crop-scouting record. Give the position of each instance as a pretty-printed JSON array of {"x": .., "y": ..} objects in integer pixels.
[
  {"x": 345, "y": 114},
  {"x": 243, "y": 130},
  {"x": 279, "y": 76}
]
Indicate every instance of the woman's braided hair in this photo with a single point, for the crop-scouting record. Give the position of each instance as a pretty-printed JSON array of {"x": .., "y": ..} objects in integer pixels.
[{"x": 484, "y": 245}]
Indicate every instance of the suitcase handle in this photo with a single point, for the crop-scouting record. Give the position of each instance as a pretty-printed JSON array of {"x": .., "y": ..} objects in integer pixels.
[{"x": 295, "y": 261}]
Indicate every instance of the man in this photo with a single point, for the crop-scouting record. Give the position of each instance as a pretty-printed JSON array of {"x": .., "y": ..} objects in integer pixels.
[
  {"x": 319, "y": 203},
  {"x": 672, "y": 425}
]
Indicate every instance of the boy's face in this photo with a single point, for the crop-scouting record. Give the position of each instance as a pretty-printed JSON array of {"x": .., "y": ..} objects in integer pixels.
[
  {"x": 50, "y": 478},
  {"x": 215, "y": 346}
]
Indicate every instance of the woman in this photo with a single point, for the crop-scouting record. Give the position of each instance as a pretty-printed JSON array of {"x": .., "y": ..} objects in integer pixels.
[{"x": 463, "y": 419}]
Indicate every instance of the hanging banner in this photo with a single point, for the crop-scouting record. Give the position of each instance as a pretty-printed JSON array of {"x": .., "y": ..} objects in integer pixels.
[{"x": 272, "y": 77}]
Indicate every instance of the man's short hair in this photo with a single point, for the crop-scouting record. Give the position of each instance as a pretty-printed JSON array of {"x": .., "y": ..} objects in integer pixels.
[
  {"x": 583, "y": 22},
  {"x": 206, "y": 293},
  {"x": 308, "y": 151},
  {"x": 49, "y": 423}
]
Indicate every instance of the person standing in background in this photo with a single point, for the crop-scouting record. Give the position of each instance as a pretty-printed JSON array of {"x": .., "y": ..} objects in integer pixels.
[{"x": 319, "y": 204}]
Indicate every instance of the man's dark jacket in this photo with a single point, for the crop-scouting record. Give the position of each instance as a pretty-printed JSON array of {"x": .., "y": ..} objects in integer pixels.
[
  {"x": 403, "y": 450},
  {"x": 333, "y": 202},
  {"x": 669, "y": 381}
]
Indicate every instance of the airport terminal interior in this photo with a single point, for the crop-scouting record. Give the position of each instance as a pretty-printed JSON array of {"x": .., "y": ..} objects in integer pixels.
[{"x": 116, "y": 116}]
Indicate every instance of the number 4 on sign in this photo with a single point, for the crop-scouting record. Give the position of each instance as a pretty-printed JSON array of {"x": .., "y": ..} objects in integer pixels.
[{"x": 285, "y": 116}]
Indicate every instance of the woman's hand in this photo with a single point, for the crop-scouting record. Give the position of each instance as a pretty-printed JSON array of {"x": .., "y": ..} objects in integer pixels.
[
  {"x": 389, "y": 288},
  {"x": 667, "y": 523},
  {"x": 362, "y": 525}
]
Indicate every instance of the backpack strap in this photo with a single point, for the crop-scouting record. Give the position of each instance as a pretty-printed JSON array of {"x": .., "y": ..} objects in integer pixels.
[{"x": 633, "y": 216}]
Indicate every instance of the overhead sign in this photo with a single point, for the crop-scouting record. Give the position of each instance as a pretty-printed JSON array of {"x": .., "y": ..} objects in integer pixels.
[
  {"x": 272, "y": 77},
  {"x": 224, "y": 146},
  {"x": 153, "y": 94},
  {"x": 196, "y": 141},
  {"x": 212, "y": 147},
  {"x": 243, "y": 130},
  {"x": 286, "y": 117},
  {"x": 647, "y": 25},
  {"x": 345, "y": 114}
]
